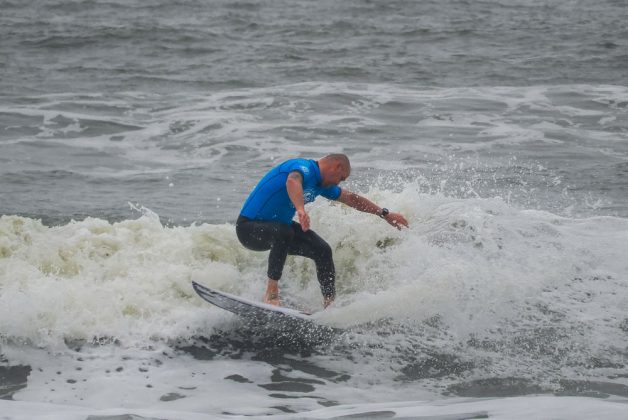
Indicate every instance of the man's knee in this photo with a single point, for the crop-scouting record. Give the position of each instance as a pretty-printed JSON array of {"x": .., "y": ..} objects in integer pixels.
[{"x": 324, "y": 252}]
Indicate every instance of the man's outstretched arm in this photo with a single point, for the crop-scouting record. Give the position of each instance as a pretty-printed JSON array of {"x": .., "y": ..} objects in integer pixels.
[{"x": 364, "y": 204}]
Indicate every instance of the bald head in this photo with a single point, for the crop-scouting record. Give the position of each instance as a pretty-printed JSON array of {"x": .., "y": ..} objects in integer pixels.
[
  {"x": 338, "y": 158},
  {"x": 335, "y": 168}
]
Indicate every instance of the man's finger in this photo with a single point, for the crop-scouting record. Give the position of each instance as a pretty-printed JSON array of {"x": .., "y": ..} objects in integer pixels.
[{"x": 304, "y": 219}]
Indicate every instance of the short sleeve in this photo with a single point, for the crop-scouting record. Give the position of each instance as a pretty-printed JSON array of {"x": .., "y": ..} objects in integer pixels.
[
  {"x": 302, "y": 168},
  {"x": 332, "y": 193}
]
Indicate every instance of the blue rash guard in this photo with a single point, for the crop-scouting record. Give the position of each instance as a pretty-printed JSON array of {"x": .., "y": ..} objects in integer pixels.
[{"x": 269, "y": 199}]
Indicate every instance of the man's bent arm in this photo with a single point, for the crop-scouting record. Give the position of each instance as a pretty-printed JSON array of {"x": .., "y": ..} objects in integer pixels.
[{"x": 294, "y": 185}]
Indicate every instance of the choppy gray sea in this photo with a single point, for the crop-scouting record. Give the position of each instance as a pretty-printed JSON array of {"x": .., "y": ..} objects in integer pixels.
[{"x": 132, "y": 131}]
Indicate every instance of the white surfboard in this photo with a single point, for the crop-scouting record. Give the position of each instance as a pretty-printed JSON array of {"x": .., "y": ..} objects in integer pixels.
[{"x": 251, "y": 309}]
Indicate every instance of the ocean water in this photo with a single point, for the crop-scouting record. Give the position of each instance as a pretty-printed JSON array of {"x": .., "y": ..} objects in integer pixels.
[{"x": 132, "y": 131}]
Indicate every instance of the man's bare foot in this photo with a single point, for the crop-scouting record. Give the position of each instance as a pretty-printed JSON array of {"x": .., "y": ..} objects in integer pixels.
[
  {"x": 272, "y": 299},
  {"x": 327, "y": 301}
]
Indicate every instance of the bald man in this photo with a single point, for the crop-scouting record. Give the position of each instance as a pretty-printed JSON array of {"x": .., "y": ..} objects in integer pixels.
[{"x": 265, "y": 221}]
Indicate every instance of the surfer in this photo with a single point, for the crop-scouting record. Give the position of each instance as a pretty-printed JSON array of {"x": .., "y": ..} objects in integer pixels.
[{"x": 265, "y": 221}]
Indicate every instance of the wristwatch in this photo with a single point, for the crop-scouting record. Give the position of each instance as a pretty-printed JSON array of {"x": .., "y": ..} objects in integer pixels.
[{"x": 384, "y": 212}]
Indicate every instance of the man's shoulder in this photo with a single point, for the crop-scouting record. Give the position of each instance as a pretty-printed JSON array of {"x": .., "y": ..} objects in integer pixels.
[{"x": 305, "y": 166}]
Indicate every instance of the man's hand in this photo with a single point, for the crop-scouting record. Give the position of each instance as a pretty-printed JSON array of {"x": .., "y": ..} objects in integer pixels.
[
  {"x": 304, "y": 220},
  {"x": 396, "y": 220}
]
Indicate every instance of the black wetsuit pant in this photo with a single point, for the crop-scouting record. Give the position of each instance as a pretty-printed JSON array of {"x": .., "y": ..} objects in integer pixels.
[{"x": 283, "y": 240}]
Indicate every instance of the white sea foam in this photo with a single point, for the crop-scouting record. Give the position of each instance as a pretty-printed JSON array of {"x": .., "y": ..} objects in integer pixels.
[{"x": 486, "y": 269}]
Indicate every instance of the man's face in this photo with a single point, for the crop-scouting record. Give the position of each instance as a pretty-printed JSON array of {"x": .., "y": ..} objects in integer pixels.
[{"x": 337, "y": 174}]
